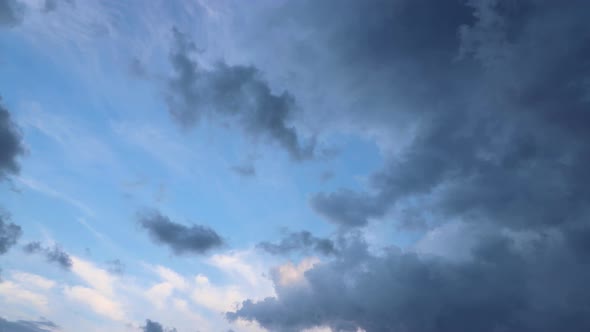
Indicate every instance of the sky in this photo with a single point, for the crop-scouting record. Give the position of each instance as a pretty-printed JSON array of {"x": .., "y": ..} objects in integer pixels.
[{"x": 294, "y": 165}]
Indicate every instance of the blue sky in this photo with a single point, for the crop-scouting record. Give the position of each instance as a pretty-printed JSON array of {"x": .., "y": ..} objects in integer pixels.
[
  {"x": 100, "y": 147},
  {"x": 292, "y": 165}
]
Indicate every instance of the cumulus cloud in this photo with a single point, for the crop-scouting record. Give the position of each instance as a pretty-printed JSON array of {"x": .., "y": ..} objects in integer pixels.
[
  {"x": 11, "y": 146},
  {"x": 507, "y": 285},
  {"x": 299, "y": 242},
  {"x": 193, "y": 239},
  {"x": 9, "y": 234},
  {"x": 235, "y": 91},
  {"x": 55, "y": 254},
  {"x": 42, "y": 325}
]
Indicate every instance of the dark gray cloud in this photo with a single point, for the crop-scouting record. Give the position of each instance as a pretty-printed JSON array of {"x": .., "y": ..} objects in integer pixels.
[
  {"x": 506, "y": 285},
  {"x": 152, "y": 326},
  {"x": 302, "y": 241},
  {"x": 500, "y": 132},
  {"x": 53, "y": 254},
  {"x": 9, "y": 234},
  {"x": 11, "y": 146},
  {"x": 11, "y": 12},
  {"x": 238, "y": 92},
  {"x": 499, "y": 135},
  {"x": 42, "y": 325},
  {"x": 193, "y": 239}
]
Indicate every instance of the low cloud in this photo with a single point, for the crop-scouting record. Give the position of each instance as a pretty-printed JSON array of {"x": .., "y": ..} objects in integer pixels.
[
  {"x": 231, "y": 91},
  {"x": 509, "y": 283},
  {"x": 193, "y": 239}
]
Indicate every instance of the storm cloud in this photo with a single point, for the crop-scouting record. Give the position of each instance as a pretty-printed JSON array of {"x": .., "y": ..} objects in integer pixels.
[
  {"x": 511, "y": 145},
  {"x": 231, "y": 91},
  {"x": 182, "y": 239},
  {"x": 499, "y": 139},
  {"x": 303, "y": 241},
  {"x": 507, "y": 284},
  {"x": 54, "y": 254}
]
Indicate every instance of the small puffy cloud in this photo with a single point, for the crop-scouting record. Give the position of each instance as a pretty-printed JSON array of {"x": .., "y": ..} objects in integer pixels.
[{"x": 193, "y": 239}]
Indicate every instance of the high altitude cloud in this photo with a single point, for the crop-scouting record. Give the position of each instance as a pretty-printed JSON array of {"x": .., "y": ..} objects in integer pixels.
[
  {"x": 231, "y": 91},
  {"x": 10, "y": 143},
  {"x": 53, "y": 254},
  {"x": 500, "y": 139},
  {"x": 27, "y": 326},
  {"x": 299, "y": 241},
  {"x": 152, "y": 326},
  {"x": 193, "y": 239},
  {"x": 9, "y": 234}
]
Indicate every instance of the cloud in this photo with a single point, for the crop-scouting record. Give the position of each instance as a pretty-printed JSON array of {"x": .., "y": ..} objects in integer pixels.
[
  {"x": 115, "y": 266},
  {"x": 27, "y": 326},
  {"x": 11, "y": 13},
  {"x": 497, "y": 142},
  {"x": 194, "y": 239},
  {"x": 33, "y": 280},
  {"x": 11, "y": 146},
  {"x": 53, "y": 254},
  {"x": 299, "y": 241},
  {"x": 510, "y": 145},
  {"x": 505, "y": 286},
  {"x": 9, "y": 234},
  {"x": 95, "y": 300},
  {"x": 51, "y": 5},
  {"x": 153, "y": 326},
  {"x": 234, "y": 91},
  {"x": 245, "y": 170}
]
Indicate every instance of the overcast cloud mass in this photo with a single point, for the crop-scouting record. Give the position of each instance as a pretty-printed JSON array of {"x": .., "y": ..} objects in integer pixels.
[{"x": 309, "y": 165}]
